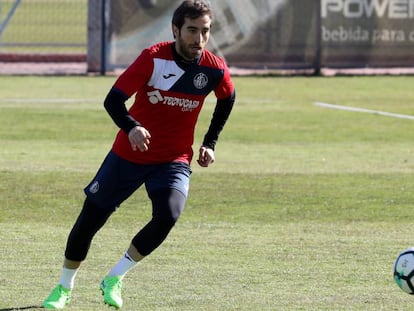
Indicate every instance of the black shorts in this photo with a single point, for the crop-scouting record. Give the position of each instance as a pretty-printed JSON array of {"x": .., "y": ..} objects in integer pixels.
[{"x": 117, "y": 179}]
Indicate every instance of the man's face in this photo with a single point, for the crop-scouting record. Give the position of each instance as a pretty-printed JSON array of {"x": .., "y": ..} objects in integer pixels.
[{"x": 193, "y": 36}]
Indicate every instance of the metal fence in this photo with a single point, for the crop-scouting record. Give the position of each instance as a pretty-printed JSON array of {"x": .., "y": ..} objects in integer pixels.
[
  {"x": 278, "y": 34},
  {"x": 252, "y": 34},
  {"x": 247, "y": 33},
  {"x": 31, "y": 29}
]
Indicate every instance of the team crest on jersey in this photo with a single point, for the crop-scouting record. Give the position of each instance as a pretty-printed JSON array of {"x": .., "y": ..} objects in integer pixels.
[{"x": 200, "y": 81}]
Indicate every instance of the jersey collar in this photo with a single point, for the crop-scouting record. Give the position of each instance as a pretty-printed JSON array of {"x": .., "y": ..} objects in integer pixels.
[{"x": 180, "y": 60}]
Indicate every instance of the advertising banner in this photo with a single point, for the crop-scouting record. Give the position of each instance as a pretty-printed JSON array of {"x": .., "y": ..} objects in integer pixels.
[
  {"x": 247, "y": 33},
  {"x": 375, "y": 33},
  {"x": 266, "y": 34}
]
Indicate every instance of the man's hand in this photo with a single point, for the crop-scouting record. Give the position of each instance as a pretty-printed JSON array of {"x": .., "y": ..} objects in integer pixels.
[
  {"x": 139, "y": 138},
  {"x": 206, "y": 156}
]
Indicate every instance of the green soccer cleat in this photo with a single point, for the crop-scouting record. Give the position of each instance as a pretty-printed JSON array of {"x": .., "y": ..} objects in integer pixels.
[
  {"x": 111, "y": 287},
  {"x": 58, "y": 298}
]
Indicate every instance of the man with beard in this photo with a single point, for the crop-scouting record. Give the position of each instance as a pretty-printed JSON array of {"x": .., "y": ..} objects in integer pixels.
[{"x": 170, "y": 81}]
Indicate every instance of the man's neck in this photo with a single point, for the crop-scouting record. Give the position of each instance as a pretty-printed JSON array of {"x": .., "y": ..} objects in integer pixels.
[{"x": 178, "y": 57}]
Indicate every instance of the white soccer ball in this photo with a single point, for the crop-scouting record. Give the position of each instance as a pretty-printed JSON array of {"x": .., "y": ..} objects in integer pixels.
[{"x": 404, "y": 270}]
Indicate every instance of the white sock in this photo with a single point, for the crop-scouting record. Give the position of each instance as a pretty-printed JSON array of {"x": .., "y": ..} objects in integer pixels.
[
  {"x": 125, "y": 264},
  {"x": 67, "y": 279}
]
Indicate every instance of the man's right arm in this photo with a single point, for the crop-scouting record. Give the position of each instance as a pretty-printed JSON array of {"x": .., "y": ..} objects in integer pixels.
[{"x": 115, "y": 106}]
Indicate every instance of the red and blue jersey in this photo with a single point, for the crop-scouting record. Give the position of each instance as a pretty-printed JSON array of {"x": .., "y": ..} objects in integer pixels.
[{"x": 169, "y": 95}]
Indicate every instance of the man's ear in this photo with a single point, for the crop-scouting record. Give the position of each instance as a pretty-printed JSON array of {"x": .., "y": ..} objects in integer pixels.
[{"x": 175, "y": 31}]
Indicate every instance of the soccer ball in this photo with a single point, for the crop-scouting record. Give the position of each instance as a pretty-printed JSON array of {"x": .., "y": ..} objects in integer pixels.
[{"x": 404, "y": 270}]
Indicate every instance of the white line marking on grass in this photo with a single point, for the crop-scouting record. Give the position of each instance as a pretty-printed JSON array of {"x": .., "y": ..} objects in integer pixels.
[
  {"x": 47, "y": 100},
  {"x": 378, "y": 112}
]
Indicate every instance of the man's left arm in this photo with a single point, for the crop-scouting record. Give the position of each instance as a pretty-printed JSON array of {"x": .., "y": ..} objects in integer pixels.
[{"x": 221, "y": 114}]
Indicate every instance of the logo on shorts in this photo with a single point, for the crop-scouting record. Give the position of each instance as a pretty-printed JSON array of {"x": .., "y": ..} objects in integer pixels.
[
  {"x": 200, "y": 81},
  {"x": 94, "y": 188},
  {"x": 187, "y": 187}
]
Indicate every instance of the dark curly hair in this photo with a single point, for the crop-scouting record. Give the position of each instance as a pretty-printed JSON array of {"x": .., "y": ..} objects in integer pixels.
[{"x": 192, "y": 9}]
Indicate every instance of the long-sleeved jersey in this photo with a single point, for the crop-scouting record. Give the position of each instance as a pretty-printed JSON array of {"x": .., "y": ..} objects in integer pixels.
[{"x": 169, "y": 94}]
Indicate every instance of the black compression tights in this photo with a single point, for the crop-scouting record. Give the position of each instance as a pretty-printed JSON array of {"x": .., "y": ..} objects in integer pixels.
[
  {"x": 167, "y": 206},
  {"x": 89, "y": 221}
]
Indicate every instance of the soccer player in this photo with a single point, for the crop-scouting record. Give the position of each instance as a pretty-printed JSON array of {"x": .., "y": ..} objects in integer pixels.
[{"x": 170, "y": 81}]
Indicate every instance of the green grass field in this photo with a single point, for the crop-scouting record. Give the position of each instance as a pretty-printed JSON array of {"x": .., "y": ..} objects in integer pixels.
[
  {"x": 306, "y": 208},
  {"x": 45, "y": 26}
]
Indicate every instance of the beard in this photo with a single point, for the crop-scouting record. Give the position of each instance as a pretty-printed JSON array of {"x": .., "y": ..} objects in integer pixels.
[{"x": 188, "y": 51}]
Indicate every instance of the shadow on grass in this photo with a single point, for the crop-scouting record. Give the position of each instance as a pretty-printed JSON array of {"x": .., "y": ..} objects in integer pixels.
[{"x": 22, "y": 308}]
